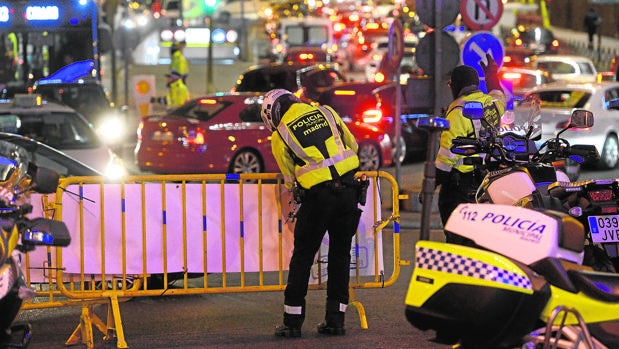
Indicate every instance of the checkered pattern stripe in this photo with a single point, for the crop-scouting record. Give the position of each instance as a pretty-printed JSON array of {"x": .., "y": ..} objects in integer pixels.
[{"x": 431, "y": 259}]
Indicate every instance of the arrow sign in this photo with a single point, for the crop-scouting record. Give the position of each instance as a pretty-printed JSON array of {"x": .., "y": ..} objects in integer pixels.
[
  {"x": 481, "y": 14},
  {"x": 474, "y": 52}
]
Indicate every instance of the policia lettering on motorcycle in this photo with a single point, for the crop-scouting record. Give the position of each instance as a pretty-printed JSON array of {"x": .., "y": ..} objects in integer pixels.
[
  {"x": 317, "y": 155},
  {"x": 454, "y": 173}
]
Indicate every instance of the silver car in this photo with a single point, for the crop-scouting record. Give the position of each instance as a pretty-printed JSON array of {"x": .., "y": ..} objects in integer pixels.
[{"x": 559, "y": 99}]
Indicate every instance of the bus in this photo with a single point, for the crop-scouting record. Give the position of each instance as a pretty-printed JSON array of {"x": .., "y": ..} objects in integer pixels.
[{"x": 38, "y": 37}]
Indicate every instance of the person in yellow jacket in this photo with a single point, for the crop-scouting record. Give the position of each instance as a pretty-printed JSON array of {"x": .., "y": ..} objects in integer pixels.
[
  {"x": 179, "y": 63},
  {"x": 317, "y": 155},
  {"x": 178, "y": 93},
  {"x": 458, "y": 180}
]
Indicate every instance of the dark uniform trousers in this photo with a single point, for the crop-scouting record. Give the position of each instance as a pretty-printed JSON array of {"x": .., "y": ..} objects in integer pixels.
[
  {"x": 460, "y": 189},
  {"x": 326, "y": 206}
]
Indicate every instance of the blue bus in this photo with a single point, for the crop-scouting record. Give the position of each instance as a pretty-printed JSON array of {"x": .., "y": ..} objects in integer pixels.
[{"x": 38, "y": 37}]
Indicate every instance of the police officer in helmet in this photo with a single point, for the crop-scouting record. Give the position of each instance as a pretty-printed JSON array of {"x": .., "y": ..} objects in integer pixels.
[{"x": 316, "y": 153}]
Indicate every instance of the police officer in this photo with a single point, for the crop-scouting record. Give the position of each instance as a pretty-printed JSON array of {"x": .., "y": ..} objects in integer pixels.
[
  {"x": 178, "y": 62},
  {"x": 457, "y": 180},
  {"x": 314, "y": 149},
  {"x": 178, "y": 93}
]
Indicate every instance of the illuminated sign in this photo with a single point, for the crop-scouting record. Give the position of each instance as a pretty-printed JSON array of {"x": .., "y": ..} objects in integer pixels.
[
  {"x": 5, "y": 14},
  {"x": 41, "y": 13}
]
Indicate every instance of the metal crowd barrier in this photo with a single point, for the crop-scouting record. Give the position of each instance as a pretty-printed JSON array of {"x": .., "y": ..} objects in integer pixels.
[{"x": 163, "y": 235}]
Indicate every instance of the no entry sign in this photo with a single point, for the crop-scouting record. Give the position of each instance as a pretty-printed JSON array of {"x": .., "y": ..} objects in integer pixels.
[{"x": 481, "y": 14}]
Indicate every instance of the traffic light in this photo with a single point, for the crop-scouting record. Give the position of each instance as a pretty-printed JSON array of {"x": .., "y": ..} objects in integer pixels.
[{"x": 211, "y": 6}]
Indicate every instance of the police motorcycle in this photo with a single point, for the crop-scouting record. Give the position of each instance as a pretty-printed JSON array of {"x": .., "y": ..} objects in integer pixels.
[
  {"x": 19, "y": 234},
  {"x": 525, "y": 177},
  {"x": 518, "y": 283}
]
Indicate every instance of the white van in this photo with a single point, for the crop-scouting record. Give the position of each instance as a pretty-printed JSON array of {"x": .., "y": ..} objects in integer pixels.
[{"x": 304, "y": 32}]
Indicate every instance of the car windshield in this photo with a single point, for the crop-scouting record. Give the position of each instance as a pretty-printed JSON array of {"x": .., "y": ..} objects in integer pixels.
[
  {"x": 57, "y": 129},
  {"x": 562, "y": 98}
]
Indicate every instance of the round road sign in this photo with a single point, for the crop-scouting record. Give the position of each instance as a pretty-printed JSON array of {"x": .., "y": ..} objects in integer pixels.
[
  {"x": 425, "y": 53},
  {"x": 396, "y": 44},
  {"x": 481, "y": 14},
  {"x": 449, "y": 10},
  {"x": 475, "y": 49}
]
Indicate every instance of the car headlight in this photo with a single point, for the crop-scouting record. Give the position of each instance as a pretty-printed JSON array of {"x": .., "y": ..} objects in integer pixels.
[
  {"x": 112, "y": 129},
  {"x": 115, "y": 169}
]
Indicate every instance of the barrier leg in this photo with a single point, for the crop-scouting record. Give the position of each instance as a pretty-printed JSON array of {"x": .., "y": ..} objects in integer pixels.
[
  {"x": 83, "y": 330},
  {"x": 114, "y": 314},
  {"x": 359, "y": 307}
]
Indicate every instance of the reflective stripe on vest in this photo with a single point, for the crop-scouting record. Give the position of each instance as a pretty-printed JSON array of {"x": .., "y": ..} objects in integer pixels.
[{"x": 312, "y": 165}]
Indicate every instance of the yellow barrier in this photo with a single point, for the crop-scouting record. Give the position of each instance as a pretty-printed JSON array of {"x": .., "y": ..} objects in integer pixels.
[{"x": 151, "y": 236}]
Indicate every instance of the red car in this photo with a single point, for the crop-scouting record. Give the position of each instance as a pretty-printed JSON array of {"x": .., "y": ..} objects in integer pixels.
[{"x": 223, "y": 133}]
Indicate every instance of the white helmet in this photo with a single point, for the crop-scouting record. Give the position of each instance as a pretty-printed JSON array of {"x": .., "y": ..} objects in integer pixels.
[{"x": 270, "y": 112}]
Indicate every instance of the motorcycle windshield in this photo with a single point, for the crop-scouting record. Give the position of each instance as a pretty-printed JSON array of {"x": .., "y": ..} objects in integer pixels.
[{"x": 524, "y": 120}]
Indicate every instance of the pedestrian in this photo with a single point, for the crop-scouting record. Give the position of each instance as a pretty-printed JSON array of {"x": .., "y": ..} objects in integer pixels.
[
  {"x": 317, "y": 155},
  {"x": 458, "y": 181},
  {"x": 178, "y": 93},
  {"x": 592, "y": 22},
  {"x": 179, "y": 63}
]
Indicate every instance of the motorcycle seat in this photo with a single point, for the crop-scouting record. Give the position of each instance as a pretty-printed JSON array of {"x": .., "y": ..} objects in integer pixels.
[{"x": 595, "y": 284}]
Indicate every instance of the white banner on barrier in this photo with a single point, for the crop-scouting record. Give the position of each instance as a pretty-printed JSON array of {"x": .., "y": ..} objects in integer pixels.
[{"x": 212, "y": 224}]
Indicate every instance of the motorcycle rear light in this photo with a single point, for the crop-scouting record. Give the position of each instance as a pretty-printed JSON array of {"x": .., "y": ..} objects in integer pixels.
[
  {"x": 601, "y": 195},
  {"x": 609, "y": 209}
]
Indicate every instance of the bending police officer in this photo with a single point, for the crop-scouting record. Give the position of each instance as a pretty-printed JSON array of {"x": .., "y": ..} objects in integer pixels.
[
  {"x": 315, "y": 150},
  {"x": 457, "y": 179}
]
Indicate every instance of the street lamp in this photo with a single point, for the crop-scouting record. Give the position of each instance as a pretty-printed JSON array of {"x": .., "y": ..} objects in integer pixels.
[{"x": 211, "y": 5}]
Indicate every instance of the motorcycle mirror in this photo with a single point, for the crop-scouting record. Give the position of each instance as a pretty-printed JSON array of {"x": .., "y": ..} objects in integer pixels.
[
  {"x": 581, "y": 119},
  {"x": 45, "y": 180},
  {"x": 473, "y": 110}
]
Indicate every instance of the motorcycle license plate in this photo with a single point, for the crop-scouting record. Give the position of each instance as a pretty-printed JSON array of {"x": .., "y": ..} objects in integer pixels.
[{"x": 604, "y": 228}]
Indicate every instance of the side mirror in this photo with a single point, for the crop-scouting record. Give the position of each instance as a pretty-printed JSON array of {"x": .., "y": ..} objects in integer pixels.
[
  {"x": 45, "y": 180},
  {"x": 581, "y": 119},
  {"x": 473, "y": 110}
]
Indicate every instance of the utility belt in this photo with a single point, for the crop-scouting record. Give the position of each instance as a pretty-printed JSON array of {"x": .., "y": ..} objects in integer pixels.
[
  {"x": 347, "y": 180},
  {"x": 462, "y": 179}
]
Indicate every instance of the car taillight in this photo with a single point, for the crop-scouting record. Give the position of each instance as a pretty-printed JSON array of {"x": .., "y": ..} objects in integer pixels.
[
  {"x": 139, "y": 131},
  {"x": 371, "y": 115},
  {"x": 303, "y": 57},
  {"x": 601, "y": 195},
  {"x": 518, "y": 42},
  {"x": 555, "y": 43}
]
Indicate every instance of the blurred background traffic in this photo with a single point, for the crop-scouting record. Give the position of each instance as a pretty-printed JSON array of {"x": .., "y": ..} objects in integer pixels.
[{"x": 106, "y": 60}]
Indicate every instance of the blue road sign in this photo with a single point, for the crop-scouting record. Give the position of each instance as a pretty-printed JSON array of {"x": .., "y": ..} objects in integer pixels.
[{"x": 474, "y": 52}]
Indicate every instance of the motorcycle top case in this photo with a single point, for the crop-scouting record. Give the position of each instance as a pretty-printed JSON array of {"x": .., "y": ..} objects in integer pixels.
[
  {"x": 523, "y": 234},
  {"x": 473, "y": 296}
]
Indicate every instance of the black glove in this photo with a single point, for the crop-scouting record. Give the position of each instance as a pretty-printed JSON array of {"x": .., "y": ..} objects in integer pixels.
[
  {"x": 442, "y": 177},
  {"x": 491, "y": 71}
]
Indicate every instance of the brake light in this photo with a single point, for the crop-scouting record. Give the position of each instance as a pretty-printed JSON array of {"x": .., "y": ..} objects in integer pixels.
[
  {"x": 139, "y": 131},
  {"x": 208, "y": 101},
  {"x": 371, "y": 115},
  {"x": 306, "y": 56},
  {"x": 555, "y": 43},
  {"x": 512, "y": 76},
  {"x": 601, "y": 195}
]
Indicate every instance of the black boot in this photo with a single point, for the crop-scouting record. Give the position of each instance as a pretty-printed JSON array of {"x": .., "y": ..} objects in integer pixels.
[
  {"x": 334, "y": 319},
  {"x": 292, "y": 323}
]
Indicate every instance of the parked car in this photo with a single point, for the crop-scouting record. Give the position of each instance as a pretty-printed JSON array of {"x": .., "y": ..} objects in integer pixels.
[
  {"x": 408, "y": 64},
  {"x": 357, "y": 46},
  {"x": 224, "y": 133},
  {"x": 309, "y": 82},
  {"x": 46, "y": 156},
  {"x": 567, "y": 67},
  {"x": 559, "y": 99},
  {"x": 60, "y": 127},
  {"x": 305, "y": 80},
  {"x": 74, "y": 86},
  {"x": 536, "y": 38},
  {"x": 373, "y": 104},
  {"x": 522, "y": 80}
]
